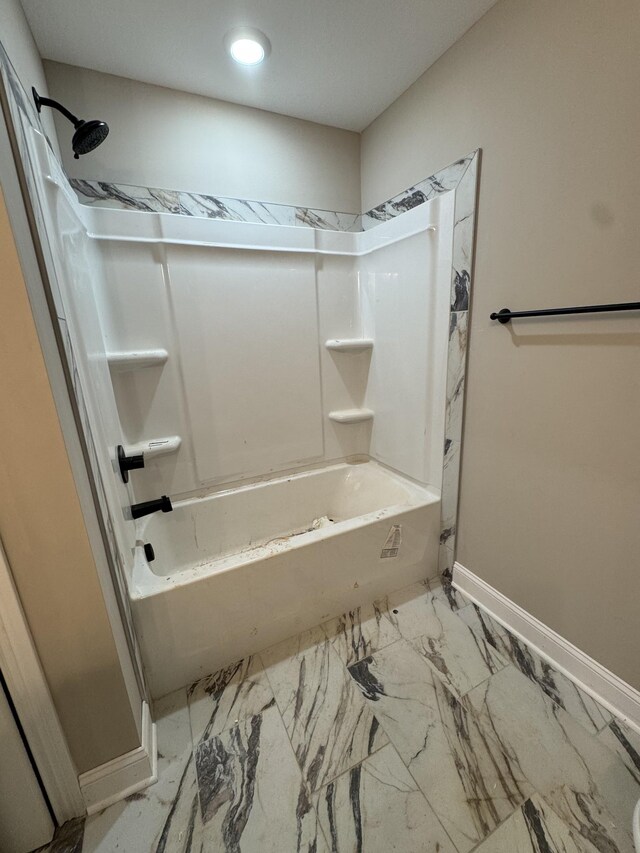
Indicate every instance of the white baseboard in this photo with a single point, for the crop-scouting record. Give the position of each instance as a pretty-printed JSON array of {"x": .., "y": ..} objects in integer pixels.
[
  {"x": 606, "y": 688},
  {"x": 131, "y": 772}
]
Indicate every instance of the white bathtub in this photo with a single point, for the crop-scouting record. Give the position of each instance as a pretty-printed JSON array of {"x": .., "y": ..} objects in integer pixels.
[{"x": 244, "y": 568}]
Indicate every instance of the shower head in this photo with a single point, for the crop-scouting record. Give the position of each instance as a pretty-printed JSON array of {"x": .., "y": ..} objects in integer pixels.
[{"x": 88, "y": 135}]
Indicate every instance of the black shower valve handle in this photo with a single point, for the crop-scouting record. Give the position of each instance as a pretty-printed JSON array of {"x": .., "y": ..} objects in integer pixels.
[{"x": 128, "y": 463}]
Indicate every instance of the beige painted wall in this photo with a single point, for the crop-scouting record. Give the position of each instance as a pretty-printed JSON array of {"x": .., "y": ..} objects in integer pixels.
[
  {"x": 550, "y": 497},
  {"x": 164, "y": 138},
  {"x": 43, "y": 533},
  {"x": 19, "y": 43}
]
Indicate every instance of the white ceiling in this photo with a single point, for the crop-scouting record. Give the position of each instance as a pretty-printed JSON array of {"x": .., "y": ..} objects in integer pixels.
[{"x": 338, "y": 62}]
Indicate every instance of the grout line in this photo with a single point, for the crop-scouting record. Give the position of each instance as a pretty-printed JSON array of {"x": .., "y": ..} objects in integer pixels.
[
  {"x": 303, "y": 779},
  {"x": 408, "y": 769},
  {"x": 390, "y": 741},
  {"x": 559, "y": 703}
]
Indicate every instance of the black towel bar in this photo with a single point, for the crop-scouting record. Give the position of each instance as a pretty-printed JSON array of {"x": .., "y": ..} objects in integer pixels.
[{"x": 506, "y": 314}]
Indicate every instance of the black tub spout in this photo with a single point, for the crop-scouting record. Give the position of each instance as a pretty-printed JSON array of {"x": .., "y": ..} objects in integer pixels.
[{"x": 147, "y": 507}]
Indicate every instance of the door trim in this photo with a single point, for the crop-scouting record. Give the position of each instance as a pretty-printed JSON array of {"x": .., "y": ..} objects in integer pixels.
[{"x": 30, "y": 695}]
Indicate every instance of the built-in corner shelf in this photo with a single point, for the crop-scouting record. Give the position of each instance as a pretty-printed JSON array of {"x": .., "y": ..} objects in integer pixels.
[
  {"x": 351, "y": 416},
  {"x": 136, "y": 359},
  {"x": 155, "y": 447},
  {"x": 349, "y": 344}
]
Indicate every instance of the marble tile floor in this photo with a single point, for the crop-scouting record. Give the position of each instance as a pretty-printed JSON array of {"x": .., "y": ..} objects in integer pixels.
[{"x": 415, "y": 724}]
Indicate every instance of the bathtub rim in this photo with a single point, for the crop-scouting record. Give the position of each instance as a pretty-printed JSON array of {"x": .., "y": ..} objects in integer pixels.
[{"x": 145, "y": 582}]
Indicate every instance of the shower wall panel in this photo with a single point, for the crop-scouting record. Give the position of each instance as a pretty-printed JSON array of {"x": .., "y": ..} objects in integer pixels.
[
  {"x": 405, "y": 296},
  {"x": 135, "y": 310},
  {"x": 344, "y": 374},
  {"x": 75, "y": 267},
  {"x": 245, "y": 312},
  {"x": 248, "y": 383},
  {"x": 247, "y": 329}
]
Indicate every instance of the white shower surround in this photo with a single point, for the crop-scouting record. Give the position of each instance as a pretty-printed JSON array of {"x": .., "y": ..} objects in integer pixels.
[
  {"x": 459, "y": 178},
  {"x": 249, "y": 382},
  {"x": 212, "y": 605}
]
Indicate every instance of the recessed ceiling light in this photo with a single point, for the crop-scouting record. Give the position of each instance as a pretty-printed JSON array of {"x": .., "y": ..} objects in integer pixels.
[{"x": 247, "y": 45}]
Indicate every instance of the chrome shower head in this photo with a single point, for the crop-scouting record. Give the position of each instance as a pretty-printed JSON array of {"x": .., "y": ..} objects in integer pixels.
[{"x": 88, "y": 135}]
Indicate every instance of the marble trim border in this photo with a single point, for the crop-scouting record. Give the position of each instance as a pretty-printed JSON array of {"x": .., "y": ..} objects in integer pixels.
[
  {"x": 464, "y": 219},
  {"x": 155, "y": 200},
  {"x": 443, "y": 181}
]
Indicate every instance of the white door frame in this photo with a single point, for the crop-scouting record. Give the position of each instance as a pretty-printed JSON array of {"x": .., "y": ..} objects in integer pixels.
[{"x": 30, "y": 695}]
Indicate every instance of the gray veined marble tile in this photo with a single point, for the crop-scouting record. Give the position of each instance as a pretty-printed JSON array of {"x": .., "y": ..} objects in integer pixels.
[
  {"x": 252, "y": 794},
  {"x": 479, "y": 621},
  {"x": 164, "y": 818},
  {"x": 359, "y": 633},
  {"x": 589, "y": 818},
  {"x": 557, "y": 686},
  {"x": 626, "y": 743},
  {"x": 376, "y": 807},
  {"x": 445, "y": 591},
  {"x": 448, "y": 537},
  {"x": 459, "y": 657},
  {"x": 470, "y": 782},
  {"x": 446, "y": 179},
  {"x": 535, "y": 828},
  {"x": 445, "y": 558},
  {"x": 235, "y": 209},
  {"x": 463, "y": 233},
  {"x": 125, "y": 197},
  {"x": 460, "y": 289},
  {"x": 401, "y": 203},
  {"x": 456, "y": 366},
  {"x": 584, "y": 782},
  {"x": 223, "y": 699},
  {"x": 330, "y": 726},
  {"x": 466, "y": 190},
  {"x": 68, "y": 838},
  {"x": 441, "y": 182},
  {"x": 450, "y": 482},
  {"x": 327, "y": 220},
  {"x": 151, "y": 199},
  {"x": 407, "y": 608}
]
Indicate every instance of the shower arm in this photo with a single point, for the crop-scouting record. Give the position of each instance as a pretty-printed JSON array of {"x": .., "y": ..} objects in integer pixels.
[{"x": 49, "y": 102}]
